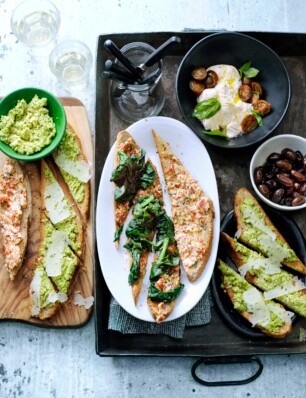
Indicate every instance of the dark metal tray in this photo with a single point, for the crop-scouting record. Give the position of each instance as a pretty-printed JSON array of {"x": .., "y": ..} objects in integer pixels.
[{"x": 232, "y": 172}]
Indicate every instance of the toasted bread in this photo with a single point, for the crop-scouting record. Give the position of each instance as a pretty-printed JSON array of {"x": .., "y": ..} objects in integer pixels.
[
  {"x": 61, "y": 283},
  {"x": 71, "y": 148},
  {"x": 15, "y": 215},
  {"x": 258, "y": 277},
  {"x": 38, "y": 298},
  {"x": 70, "y": 223},
  {"x": 189, "y": 205},
  {"x": 248, "y": 236},
  {"x": 69, "y": 261},
  {"x": 154, "y": 189},
  {"x": 160, "y": 310},
  {"x": 269, "y": 329},
  {"x": 125, "y": 143}
]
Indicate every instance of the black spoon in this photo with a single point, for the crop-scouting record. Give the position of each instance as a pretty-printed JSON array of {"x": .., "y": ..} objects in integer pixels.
[
  {"x": 113, "y": 67},
  {"x": 117, "y": 77},
  {"x": 113, "y": 49},
  {"x": 159, "y": 53}
]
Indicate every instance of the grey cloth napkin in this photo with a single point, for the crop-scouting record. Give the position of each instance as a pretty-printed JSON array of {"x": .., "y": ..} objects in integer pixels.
[{"x": 120, "y": 321}]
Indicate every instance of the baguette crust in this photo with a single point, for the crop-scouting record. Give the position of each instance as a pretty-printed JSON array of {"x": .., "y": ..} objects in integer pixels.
[
  {"x": 241, "y": 195},
  {"x": 189, "y": 205},
  {"x": 84, "y": 205},
  {"x": 14, "y": 186}
]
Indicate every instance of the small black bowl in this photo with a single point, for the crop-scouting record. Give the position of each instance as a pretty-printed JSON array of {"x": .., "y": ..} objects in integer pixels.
[{"x": 236, "y": 49}]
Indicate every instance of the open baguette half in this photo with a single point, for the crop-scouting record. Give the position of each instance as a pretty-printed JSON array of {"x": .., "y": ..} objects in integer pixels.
[
  {"x": 235, "y": 287},
  {"x": 70, "y": 153},
  {"x": 41, "y": 288},
  {"x": 60, "y": 210},
  {"x": 190, "y": 206},
  {"x": 154, "y": 189},
  {"x": 15, "y": 215},
  {"x": 253, "y": 265},
  {"x": 56, "y": 268},
  {"x": 256, "y": 230}
]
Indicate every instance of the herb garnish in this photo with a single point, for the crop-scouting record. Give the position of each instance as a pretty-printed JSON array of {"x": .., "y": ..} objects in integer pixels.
[
  {"x": 248, "y": 71},
  {"x": 220, "y": 133},
  {"x": 258, "y": 117},
  {"x": 206, "y": 109}
]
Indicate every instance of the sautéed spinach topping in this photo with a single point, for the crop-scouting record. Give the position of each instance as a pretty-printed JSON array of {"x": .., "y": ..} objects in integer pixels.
[
  {"x": 148, "y": 216},
  {"x": 131, "y": 174}
]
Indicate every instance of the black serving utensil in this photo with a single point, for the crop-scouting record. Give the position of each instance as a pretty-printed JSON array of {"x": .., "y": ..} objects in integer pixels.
[
  {"x": 113, "y": 67},
  {"x": 117, "y": 77},
  {"x": 159, "y": 53},
  {"x": 113, "y": 49}
]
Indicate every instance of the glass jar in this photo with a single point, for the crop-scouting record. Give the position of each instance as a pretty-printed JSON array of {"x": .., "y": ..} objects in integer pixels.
[{"x": 133, "y": 102}]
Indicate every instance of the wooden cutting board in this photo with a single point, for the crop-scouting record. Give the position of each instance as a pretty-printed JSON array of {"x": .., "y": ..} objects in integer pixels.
[{"x": 14, "y": 295}]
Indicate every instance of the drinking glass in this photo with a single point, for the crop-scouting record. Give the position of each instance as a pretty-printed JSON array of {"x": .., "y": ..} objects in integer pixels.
[
  {"x": 133, "y": 102},
  {"x": 36, "y": 23},
  {"x": 70, "y": 61}
]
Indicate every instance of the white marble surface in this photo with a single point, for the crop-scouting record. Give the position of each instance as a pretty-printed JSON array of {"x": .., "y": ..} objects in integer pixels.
[{"x": 62, "y": 363}]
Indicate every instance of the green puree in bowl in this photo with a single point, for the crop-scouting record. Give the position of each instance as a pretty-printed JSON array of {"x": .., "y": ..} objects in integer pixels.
[{"x": 28, "y": 128}]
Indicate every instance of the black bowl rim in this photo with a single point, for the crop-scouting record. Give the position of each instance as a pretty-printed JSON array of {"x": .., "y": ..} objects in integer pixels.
[{"x": 261, "y": 139}]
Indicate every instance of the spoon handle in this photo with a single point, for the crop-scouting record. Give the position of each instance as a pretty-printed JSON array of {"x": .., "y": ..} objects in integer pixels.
[
  {"x": 113, "y": 67},
  {"x": 112, "y": 48},
  {"x": 161, "y": 51},
  {"x": 119, "y": 78}
]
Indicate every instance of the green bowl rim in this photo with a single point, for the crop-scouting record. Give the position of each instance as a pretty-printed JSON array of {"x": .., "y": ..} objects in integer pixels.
[{"x": 6, "y": 149}]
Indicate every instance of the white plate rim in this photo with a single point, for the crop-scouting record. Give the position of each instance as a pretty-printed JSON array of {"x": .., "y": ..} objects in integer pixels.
[{"x": 198, "y": 288}]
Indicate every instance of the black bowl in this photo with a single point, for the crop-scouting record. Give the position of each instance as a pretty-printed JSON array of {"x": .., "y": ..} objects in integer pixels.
[
  {"x": 293, "y": 235},
  {"x": 236, "y": 49}
]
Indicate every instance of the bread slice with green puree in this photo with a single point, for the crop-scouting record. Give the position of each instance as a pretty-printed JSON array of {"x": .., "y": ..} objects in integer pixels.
[
  {"x": 75, "y": 169},
  {"x": 255, "y": 229},
  {"x": 43, "y": 297},
  {"x": 59, "y": 261},
  {"x": 267, "y": 275},
  {"x": 56, "y": 267},
  {"x": 270, "y": 317},
  {"x": 61, "y": 211}
]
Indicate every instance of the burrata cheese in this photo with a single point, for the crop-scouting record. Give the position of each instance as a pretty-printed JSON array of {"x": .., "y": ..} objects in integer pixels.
[{"x": 233, "y": 110}]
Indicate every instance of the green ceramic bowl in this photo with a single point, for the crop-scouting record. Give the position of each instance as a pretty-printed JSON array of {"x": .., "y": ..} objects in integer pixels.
[{"x": 56, "y": 111}]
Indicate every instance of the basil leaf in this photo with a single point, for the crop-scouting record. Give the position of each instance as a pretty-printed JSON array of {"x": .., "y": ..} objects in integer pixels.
[
  {"x": 244, "y": 67},
  {"x": 148, "y": 176},
  {"x": 220, "y": 133},
  {"x": 248, "y": 71},
  {"x": 251, "y": 72},
  {"x": 206, "y": 109},
  {"x": 118, "y": 233},
  {"x": 156, "y": 295},
  {"x": 258, "y": 117}
]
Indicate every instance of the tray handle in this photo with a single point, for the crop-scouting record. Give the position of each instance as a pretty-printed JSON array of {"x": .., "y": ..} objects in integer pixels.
[{"x": 223, "y": 361}]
